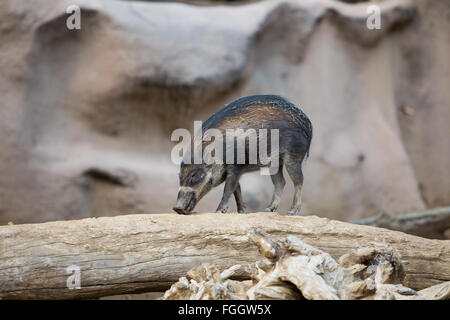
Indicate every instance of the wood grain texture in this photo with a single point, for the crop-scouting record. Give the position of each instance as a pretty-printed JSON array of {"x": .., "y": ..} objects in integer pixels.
[{"x": 137, "y": 253}]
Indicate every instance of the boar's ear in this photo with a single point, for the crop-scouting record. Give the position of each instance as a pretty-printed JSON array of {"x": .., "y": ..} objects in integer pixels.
[{"x": 209, "y": 166}]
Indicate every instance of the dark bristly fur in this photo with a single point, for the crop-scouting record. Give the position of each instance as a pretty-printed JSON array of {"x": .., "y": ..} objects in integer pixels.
[
  {"x": 253, "y": 112},
  {"x": 240, "y": 105}
]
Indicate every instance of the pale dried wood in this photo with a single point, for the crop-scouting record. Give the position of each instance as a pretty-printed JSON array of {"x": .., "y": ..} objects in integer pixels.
[
  {"x": 138, "y": 253},
  {"x": 296, "y": 270}
]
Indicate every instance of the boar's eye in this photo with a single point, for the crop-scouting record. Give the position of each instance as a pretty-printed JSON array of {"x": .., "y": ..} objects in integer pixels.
[{"x": 196, "y": 177}]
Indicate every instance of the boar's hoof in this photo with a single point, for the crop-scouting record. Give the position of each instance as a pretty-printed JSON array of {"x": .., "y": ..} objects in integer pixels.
[
  {"x": 180, "y": 210},
  {"x": 221, "y": 209}
]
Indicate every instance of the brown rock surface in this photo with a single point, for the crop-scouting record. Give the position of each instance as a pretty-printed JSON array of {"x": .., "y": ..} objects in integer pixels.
[{"x": 86, "y": 116}]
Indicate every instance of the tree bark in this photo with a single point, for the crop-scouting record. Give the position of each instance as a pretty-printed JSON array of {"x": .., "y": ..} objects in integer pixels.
[{"x": 138, "y": 253}]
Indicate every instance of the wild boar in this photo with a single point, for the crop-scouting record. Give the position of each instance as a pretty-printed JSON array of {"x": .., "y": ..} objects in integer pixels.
[{"x": 257, "y": 112}]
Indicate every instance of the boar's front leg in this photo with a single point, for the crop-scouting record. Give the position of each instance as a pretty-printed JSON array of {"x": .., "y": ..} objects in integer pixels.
[
  {"x": 231, "y": 183},
  {"x": 239, "y": 201}
]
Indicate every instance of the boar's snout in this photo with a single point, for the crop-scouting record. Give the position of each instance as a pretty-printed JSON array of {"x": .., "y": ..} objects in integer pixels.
[{"x": 186, "y": 201}]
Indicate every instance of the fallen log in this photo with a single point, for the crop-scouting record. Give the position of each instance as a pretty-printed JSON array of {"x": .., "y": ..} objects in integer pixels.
[
  {"x": 143, "y": 253},
  {"x": 433, "y": 224}
]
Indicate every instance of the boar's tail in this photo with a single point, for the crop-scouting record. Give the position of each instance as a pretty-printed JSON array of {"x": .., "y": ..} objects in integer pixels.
[{"x": 308, "y": 130}]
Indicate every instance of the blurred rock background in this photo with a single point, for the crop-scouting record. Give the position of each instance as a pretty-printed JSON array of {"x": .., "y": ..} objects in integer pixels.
[{"x": 86, "y": 115}]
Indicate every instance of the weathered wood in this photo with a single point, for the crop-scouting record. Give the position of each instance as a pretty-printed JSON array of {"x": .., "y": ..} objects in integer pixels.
[
  {"x": 433, "y": 224},
  {"x": 137, "y": 253},
  {"x": 294, "y": 270}
]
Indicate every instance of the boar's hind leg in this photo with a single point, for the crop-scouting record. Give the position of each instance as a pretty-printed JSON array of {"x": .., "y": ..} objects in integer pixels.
[
  {"x": 279, "y": 183},
  {"x": 239, "y": 201},
  {"x": 231, "y": 183},
  {"x": 294, "y": 168}
]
